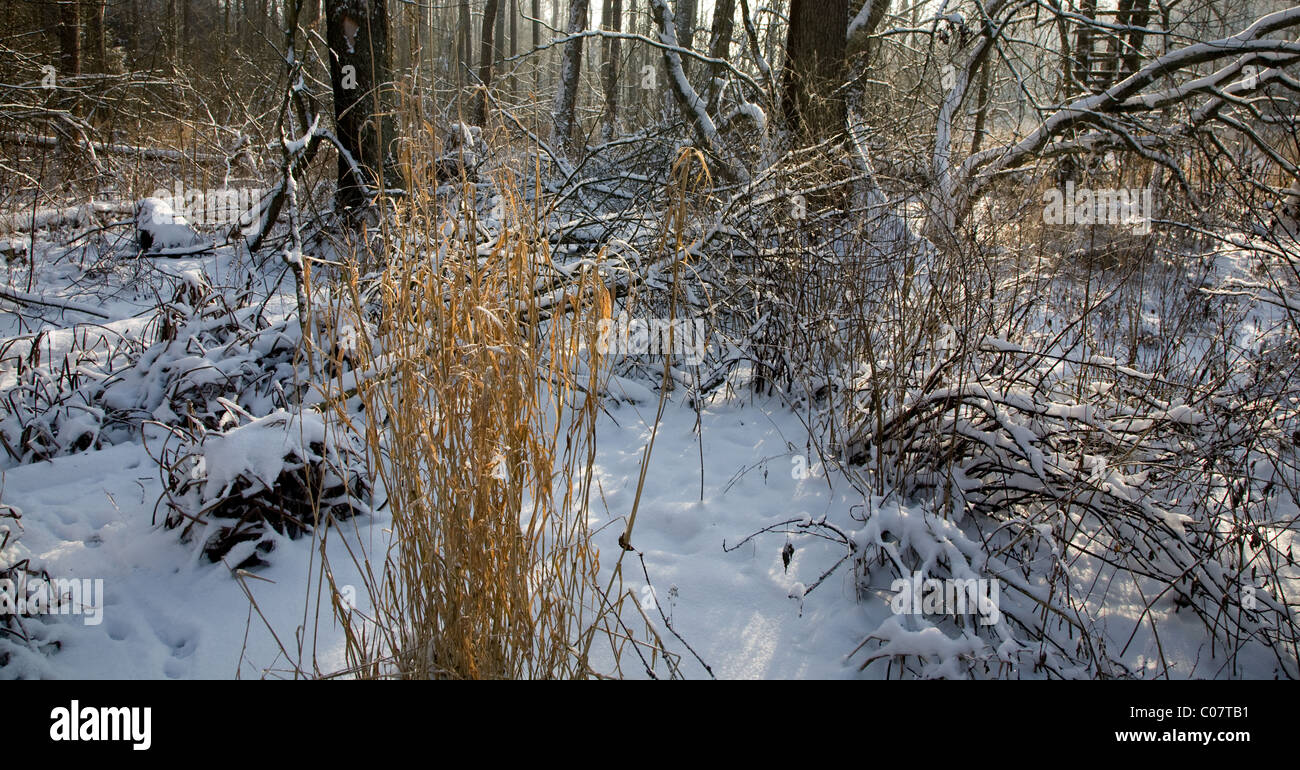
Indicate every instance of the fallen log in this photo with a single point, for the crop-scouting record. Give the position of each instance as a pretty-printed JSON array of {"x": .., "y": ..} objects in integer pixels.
[
  {"x": 59, "y": 217},
  {"x": 114, "y": 148}
]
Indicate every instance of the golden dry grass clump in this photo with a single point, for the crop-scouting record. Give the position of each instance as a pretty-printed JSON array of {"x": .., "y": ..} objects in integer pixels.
[{"x": 479, "y": 419}]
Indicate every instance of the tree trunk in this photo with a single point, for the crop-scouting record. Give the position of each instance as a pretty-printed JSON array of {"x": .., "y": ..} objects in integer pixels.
[
  {"x": 724, "y": 22},
  {"x": 70, "y": 38},
  {"x": 982, "y": 105},
  {"x": 815, "y": 68},
  {"x": 555, "y": 24},
  {"x": 613, "y": 21},
  {"x": 1083, "y": 43},
  {"x": 360, "y": 73},
  {"x": 514, "y": 45},
  {"x": 96, "y": 38},
  {"x": 464, "y": 42},
  {"x": 133, "y": 34},
  {"x": 499, "y": 39},
  {"x": 684, "y": 18},
  {"x": 537, "y": 40},
  {"x": 172, "y": 31},
  {"x": 1139, "y": 17},
  {"x": 1064, "y": 89},
  {"x": 264, "y": 17},
  {"x": 486, "y": 59},
  {"x": 566, "y": 98},
  {"x": 861, "y": 48},
  {"x": 1115, "y": 44}
]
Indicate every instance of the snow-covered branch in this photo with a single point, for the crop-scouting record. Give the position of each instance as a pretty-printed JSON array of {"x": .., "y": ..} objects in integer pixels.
[
  {"x": 693, "y": 106},
  {"x": 1130, "y": 95}
]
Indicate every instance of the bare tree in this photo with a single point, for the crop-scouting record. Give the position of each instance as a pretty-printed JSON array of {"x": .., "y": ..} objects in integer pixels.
[
  {"x": 486, "y": 60},
  {"x": 612, "y": 17},
  {"x": 566, "y": 98},
  {"x": 360, "y": 74},
  {"x": 70, "y": 37}
]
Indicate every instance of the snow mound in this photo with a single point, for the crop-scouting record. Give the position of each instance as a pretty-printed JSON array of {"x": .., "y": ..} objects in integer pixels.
[
  {"x": 237, "y": 493},
  {"x": 159, "y": 227}
]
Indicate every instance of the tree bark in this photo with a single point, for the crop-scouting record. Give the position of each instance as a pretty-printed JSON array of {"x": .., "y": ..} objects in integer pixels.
[
  {"x": 514, "y": 44},
  {"x": 96, "y": 39},
  {"x": 613, "y": 21},
  {"x": 566, "y": 98},
  {"x": 486, "y": 60},
  {"x": 360, "y": 74},
  {"x": 815, "y": 68},
  {"x": 70, "y": 38},
  {"x": 464, "y": 42},
  {"x": 133, "y": 34},
  {"x": 861, "y": 48},
  {"x": 1139, "y": 17},
  {"x": 537, "y": 40},
  {"x": 724, "y": 22},
  {"x": 684, "y": 18},
  {"x": 1083, "y": 42}
]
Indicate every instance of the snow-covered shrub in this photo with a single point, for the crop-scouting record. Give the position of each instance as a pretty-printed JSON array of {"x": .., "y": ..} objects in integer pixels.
[
  {"x": 21, "y": 635},
  {"x": 231, "y": 493},
  {"x": 50, "y": 408},
  {"x": 1043, "y": 418},
  {"x": 208, "y": 347},
  {"x": 462, "y": 150},
  {"x": 1078, "y": 464}
]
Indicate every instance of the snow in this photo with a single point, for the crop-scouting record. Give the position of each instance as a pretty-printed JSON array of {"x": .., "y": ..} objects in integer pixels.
[
  {"x": 860, "y": 20},
  {"x": 258, "y": 449},
  {"x": 766, "y": 570},
  {"x": 725, "y": 585},
  {"x": 169, "y": 616},
  {"x": 754, "y": 113},
  {"x": 160, "y": 227},
  {"x": 1098, "y": 470}
]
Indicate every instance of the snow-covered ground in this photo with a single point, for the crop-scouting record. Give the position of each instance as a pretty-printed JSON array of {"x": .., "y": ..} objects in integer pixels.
[
  {"x": 168, "y": 613},
  {"x": 742, "y": 609}
]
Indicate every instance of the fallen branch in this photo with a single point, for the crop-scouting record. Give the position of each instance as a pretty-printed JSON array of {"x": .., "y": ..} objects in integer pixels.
[
  {"x": 24, "y": 298},
  {"x": 73, "y": 215},
  {"x": 112, "y": 148}
]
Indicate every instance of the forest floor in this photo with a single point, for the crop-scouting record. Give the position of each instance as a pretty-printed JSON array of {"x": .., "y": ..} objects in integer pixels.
[{"x": 168, "y": 612}]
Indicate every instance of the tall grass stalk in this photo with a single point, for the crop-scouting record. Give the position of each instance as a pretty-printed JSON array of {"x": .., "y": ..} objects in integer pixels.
[{"x": 480, "y": 423}]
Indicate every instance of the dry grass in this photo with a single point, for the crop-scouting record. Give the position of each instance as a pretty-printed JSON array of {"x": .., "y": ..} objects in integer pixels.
[{"x": 480, "y": 430}]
